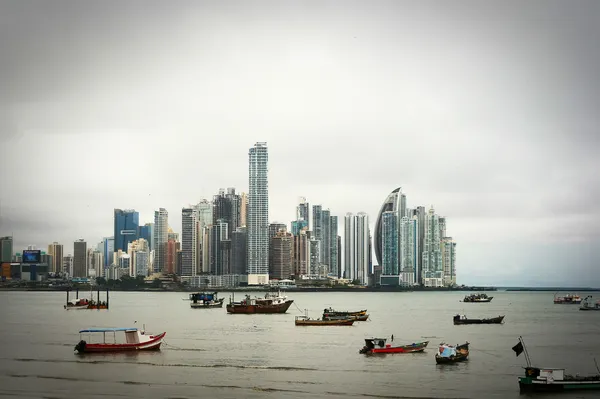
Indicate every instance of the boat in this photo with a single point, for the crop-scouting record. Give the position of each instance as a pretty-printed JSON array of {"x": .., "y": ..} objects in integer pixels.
[
  {"x": 330, "y": 311},
  {"x": 568, "y": 299},
  {"x": 271, "y": 303},
  {"x": 550, "y": 379},
  {"x": 379, "y": 345},
  {"x": 204, "y": 300},
  {"x": 458, "y": 320},
  {"x": 135, "y": 340},
  {"x": 478, "y": 298},
  {"x": 82, "y": 303},
  {"x": 452, "y": 354},
  {"x": 588, "y": 305},
  {"x": 307, "y": 321},
  {"x": 328, "y": 316}
]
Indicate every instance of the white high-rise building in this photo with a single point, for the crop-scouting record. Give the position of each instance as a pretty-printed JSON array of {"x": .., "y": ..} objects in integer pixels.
[
  {"x": 449, "y": 261},
  {"x": 161, "y": 237},
  {"x": 356, "y": 251},
  {"x": 432, "y": 254},
  {"x": 189, "y": 242},
  {"x": 205, "y": 219},
  {"x": 258, "y": 216}
]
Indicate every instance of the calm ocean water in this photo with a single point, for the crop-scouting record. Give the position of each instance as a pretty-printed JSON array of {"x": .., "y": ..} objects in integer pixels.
[{"x": 211, "y": 353}]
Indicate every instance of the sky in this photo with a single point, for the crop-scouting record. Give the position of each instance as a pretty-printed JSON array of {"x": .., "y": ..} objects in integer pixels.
[{"x": 487, "y": 111}]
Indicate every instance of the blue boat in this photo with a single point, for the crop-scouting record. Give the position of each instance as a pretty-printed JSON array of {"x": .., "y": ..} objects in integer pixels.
[{"x": 203, "y": 300}]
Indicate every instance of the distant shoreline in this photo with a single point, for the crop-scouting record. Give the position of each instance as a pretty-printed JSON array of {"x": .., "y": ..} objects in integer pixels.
[{"x": 320, "y": 289}]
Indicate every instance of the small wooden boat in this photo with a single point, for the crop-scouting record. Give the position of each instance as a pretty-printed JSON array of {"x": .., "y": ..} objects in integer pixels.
[
  {"x": 271, "y": 303},
  {"x": 205, "y": 300},
  {"x": 379, "y": 345},
  {"x": 552, "y": 379},
  {"x": 135, "y": 340},
  {"x": 587, "y": 304},
  {"x": 568, "y": 299},
  {"x": 327, "y": 316},
  {"x": 330, "y": 311},
  {"x": 458, "y": 320},
  {"x": 452, "y": 354},
  {"x": 307, "y": 321},
  {"x": 478, "y": 298}
]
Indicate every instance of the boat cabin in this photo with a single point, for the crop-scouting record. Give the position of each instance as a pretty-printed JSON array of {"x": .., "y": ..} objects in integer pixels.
[
  {"x": 547, "y": 374},
  {"x": 372, "y": 343},
  {"x": 132, "y": 335}
]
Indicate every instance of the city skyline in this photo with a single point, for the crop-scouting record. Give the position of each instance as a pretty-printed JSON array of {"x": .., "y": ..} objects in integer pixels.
[{"x": 487, "y": 113}]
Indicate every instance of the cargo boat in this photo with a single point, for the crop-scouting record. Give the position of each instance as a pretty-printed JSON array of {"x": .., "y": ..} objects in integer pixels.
[{"x": 271, "y": 303}]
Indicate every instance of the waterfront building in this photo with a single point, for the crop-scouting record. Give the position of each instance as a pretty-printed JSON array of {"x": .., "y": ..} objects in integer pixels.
[
  {"x": 410, "y": 250},
  {"x": 258, "y": 216},
  {"x": 6, "y": 249},
  {"x": 161, "y": 237},
  {"x": 189, "y": 241},
  {"x": 448, "y": 249},
  {"x": 56, "y": 251},
  {"x": 281, "y": 251},
  {"x": 432, "y": 254},
  {"x": 80, "y": 266},
  {"x": 394, "y": 202},
  {"x": 302, "y": 212},
  {"x": 301, "y": 260},
  {"x": 239, "y": 248},
  {"x": 145, "y": 232},
  {"x": 356, "y": 249}
]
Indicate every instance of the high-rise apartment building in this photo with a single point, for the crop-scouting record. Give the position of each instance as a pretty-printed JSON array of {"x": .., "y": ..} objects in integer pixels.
[
  {"x": 126, "y": 226},
  {"x": 239, "y": 250},
  {"x": 303, "y": 211},
  {"x": 389, "y": 250},
  {"x": 161, "y": 237},
  {"x": 395, "y": 202},
  {"x": 56, "y": 250},
  {"x": 80, "y": 266},
  {"x": 301, "y": 260},
  {"x": 189, "y": 241},
  {"x": 258, "y": 216},
  {"x": 356, "y": 251},
  {"x": 410, "y": 250},
  {"x": 243, "y": 209},
  {"x": 432, "y": 255},
  {"x": 448, "y": 248},
  {"x": 317, "y": 225},
  {"x": 281, "y": 251},
  {"x": 6, "y": 249},
  {"x": 334, "y": 255},
  {"x": 145, "y": 232},
  {"x": 219, "y": 256}
]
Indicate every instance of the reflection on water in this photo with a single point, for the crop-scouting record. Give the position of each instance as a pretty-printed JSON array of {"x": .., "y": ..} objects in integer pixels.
[{"x": 209, "y": 352}]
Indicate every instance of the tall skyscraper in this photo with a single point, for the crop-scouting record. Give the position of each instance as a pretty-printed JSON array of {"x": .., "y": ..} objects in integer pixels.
[
  {"x": 357, "y": 236},
  {"x": 126, "y": 223},
  {"x": 6, "y": 249},
  {"x": 301, "y": 260},
  {"x": 239, "y": 250},
  {"x": 145, "y": 232},
  {"x": 80, "y": 266},
  {"x": 449, "y": 261},
  {"x": 189, "y": 242},
  {"x": 389, "y": 235},
  {"x": 317, "y": 225},
  {"x": 244, "y": 209},
  {"x": 281, "y": 250},
  {"x": 258, "y": 216},
  {"x": 302, "y": 211},
  {"x": 56, "y": 250},
  {"x": 218, "y": 251},
  {"x": 410, "y": 250},
  {"x": 395, "y": 202},
  {"x": 432, "y": 254},
  {"x": 334, "y": 255},
  {"x": 161, "y": 231}
]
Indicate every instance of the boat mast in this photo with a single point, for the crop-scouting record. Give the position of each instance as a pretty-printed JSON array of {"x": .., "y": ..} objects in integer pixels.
[{"x": 526, "y": 353}]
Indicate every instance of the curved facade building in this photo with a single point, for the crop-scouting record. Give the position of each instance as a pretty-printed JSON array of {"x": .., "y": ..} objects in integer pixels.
[{"x": 395, "y": 202}]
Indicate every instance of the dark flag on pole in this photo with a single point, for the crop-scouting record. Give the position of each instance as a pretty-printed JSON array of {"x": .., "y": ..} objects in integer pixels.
[{"x": 518, "y": 348}]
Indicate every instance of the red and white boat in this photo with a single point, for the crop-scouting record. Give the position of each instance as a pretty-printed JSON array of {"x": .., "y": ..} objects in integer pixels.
[
  {"x": 378, "y": 345},
  {"x": 82, "y": 303},
  {"x": 135, "y": 340}
]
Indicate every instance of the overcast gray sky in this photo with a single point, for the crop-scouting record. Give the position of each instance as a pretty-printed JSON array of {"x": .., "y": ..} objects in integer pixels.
[{"x": 486, "y": 110}]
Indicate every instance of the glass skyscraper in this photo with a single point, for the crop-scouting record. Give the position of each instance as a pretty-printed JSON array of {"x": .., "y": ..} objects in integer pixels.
[{"x": 127, "y": 223}]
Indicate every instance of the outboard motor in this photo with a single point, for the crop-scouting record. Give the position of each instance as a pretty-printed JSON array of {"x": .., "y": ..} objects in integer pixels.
[{"x": 80, "y": 347}]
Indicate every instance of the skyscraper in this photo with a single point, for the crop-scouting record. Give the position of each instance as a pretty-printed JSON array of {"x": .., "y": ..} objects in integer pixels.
[
  {"x": 357, "y": 236},
  {"x": 258, "y": 216},
  {"x": 302, "y": 211},
  {"x": 281, "y": 250},
  {"x": 389, "y": 235},
  {"x": 239, "y": 250},
  {"x": 80, "y": 258},
  {"x": 334, "y": 255},
  {"x": 432, "y": 254},
  {"x": 189, "y": 241},
  {"x": 56, "y": 250},
  {"x": 161, "y": 231},
  {"x": 6, "y": 249},
  {"x": 126, "y": 226}
]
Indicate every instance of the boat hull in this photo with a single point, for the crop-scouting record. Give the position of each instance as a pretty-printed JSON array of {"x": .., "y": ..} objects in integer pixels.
[
  {"x": 347, "y": 322},
  {"x": 206, "y": 305},
  {"x": 494, "y": 320},
  {"x": 416, "y": 347},
  {"x": 76, "y": 307},
  {"x": 151, "y": 345},
  {"x": 452, "y": 359},
  {"x": 528, "y": 384},
  {"x": 479, "y": 300},
  {"x": 252, "y": 309},
  {"x": 588, "y": 308}
]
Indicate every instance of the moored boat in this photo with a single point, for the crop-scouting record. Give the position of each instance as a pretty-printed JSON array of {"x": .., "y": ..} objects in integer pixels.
[
  {"x": 135, "y": 340},
  {"x": 552, "y": 379},
  {"x": 477, "y": 298},
  {"x": 331, "y": 312},
  {"x": 328, "y": 316},
  {"x": 458, "y": 320},
  {"x": 79, "y": 304},
  {"x": 379, "y": 345},
  {"x": 271, "y": 303},
  {"x": 204, "y": 300},
  {"x": 452, "y": 354},
  {"x": 587, "y": 304},
  {"x": 568, "y": 299},
  {"x": 307, "y": 321}
]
